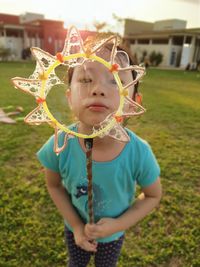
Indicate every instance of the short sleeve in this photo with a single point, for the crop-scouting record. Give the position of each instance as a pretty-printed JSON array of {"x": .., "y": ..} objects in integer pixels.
[
  {"x": 47, "y": 156},
  {"x": 149, "y": 169}
]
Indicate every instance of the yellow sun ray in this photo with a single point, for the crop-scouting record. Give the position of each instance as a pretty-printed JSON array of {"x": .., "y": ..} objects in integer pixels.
[
  {"x": 132, "y": 108},
  {"x": 30, "y": 86},
  {"x": 73, "y": 42},
  {"x": 37, "y": 116}
]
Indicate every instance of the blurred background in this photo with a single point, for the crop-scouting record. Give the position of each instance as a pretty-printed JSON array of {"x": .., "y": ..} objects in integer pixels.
[{"x": 158, "y": 33}]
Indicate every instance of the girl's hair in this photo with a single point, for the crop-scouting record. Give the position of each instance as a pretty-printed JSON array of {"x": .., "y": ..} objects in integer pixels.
[{"x": 89, "y": 42}]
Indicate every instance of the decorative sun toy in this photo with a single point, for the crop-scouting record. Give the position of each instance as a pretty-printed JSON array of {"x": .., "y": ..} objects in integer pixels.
[{"x": 44, "y": 78}]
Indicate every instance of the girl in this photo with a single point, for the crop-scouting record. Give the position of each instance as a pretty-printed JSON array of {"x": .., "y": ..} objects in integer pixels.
[{"x": 117, "y": 168}]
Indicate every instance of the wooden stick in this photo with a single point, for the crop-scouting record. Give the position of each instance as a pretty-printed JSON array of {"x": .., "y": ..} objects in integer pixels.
[{"x": 88, "y": 144}]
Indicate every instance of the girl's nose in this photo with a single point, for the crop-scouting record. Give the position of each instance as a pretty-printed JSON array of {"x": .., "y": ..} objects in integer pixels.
[
  {"x": 98, "y": 90},
  {"x": 96, "y": 94}
]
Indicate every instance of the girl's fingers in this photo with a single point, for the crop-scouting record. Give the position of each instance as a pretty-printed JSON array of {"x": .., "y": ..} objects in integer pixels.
[
  {"x": 91, "y": 227},
  {"x": 92, "y": 236},
  {"x": 92, "y": 230},
  {"x": 88, "y": 246}
]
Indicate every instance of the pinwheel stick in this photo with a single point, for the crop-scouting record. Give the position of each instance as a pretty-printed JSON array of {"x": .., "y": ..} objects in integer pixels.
[{"x": 88, "y": 144}]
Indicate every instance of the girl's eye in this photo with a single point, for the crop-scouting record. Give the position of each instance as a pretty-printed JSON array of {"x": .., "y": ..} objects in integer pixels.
[
  {"x": 114, "y": 81},
  {"x": 85, "y": 80}
]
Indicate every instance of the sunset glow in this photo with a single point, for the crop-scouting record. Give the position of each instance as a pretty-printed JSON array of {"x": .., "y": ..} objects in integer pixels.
[{"x": 84, "y": 13}]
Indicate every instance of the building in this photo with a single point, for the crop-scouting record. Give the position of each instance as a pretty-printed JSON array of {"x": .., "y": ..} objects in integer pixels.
[
  {"x": 19, "y": 33},
  {"x": 178, "y": 45}
]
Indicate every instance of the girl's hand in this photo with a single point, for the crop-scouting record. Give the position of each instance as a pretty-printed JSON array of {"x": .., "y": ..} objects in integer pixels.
[
  {"x": 83, "y": 241},
  {"x": 103, "y": 228}
]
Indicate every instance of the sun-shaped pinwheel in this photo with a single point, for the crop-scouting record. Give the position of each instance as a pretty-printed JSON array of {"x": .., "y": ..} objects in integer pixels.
[{"x": 74, "y": 53}]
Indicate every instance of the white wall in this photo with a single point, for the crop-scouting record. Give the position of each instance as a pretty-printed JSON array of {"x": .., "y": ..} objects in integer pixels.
[
  {"x": 16, "y": 45},
  {"x": 169, "y": 24},
  {"x": 164, "y": 49},
  {"x": 185, "y": 57},
  {"x": 2, "y": 41}
]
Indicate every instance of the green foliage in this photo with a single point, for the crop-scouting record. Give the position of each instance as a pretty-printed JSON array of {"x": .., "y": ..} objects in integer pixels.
[
  {"x": 99, "y": 25},
  {"x": 31, "y": 232},
  {"x": 155, "y": 58},
  {"x": 144, "y": 56}
]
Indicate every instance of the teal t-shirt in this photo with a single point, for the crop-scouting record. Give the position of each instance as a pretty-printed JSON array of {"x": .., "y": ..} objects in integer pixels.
[{"x": 114, "y": 182}]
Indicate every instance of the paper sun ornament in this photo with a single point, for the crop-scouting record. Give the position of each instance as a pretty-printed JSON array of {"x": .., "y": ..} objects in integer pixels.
[{"x": 74, "y": 53}]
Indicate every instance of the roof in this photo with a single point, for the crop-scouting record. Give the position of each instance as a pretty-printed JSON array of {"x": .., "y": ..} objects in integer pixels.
[{"x": 164, "y": 33}]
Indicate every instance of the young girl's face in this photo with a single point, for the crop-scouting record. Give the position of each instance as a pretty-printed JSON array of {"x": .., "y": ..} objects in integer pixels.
[{"x": 93, "y": 93}]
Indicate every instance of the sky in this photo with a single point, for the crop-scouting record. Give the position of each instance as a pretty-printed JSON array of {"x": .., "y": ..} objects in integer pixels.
[{"x": 83, "y": 13}]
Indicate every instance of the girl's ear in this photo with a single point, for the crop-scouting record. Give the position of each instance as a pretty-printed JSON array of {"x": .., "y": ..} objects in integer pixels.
[{"x": 68, "y": 96}]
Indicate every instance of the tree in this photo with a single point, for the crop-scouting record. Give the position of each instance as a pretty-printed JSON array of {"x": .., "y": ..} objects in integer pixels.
[
  {"x": 159, "y": 58},
  {"x": 99, "y": 25},
  {"x": 155, "y": 58},
  {"x": 144, "y": 55},
  {"x": 117, "y": 18}
]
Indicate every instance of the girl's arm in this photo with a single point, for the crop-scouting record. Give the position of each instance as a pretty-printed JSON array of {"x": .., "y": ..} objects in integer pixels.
[
  {"x": 61, "y": 198},
  {"x": 144, "y": 204},
  {"x": 63, "y": 203}
]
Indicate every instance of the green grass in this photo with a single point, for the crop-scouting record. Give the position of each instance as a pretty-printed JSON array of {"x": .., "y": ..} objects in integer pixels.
[{"x": 31, "y": 228}]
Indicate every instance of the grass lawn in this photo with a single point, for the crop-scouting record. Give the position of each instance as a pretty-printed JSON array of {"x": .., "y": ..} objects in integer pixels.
[{"x": 31, "y": 232}]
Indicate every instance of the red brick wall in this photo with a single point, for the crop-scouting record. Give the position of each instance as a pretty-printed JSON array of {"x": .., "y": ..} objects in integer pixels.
[
  {"x": 48, "y": 30},
  {"x": 52, "y": 30},
  {"x": 9, "y": 19}
]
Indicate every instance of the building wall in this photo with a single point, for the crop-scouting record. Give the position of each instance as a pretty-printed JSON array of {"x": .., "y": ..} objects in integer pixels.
[
  {"x": 170, "y": 24},
  {"x": 185, "y": 56},
  {"x": 139, "y": 48},
  {"x": 134, "y": 26},
  {"x": 169, "y": 37},
  {"x": 53, "y": 35},
  {"x": 11, "y": 19},
  {"x": 15, "y": 44},
  {"x": 2, "y": 41},
  {"x": 28, "y": 17},
  {"x": 37, "y": 31},
  {"x": 171, "y": 53},
  {"x": 49, "y": 35}
]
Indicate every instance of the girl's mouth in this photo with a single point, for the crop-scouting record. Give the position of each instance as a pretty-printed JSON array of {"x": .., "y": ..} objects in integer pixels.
[{"x": 97, "y": 108}]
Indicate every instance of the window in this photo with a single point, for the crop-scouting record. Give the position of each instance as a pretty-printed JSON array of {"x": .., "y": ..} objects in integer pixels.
[
  {"x": 160, "y": 41},
  {"x": 177, "y": 40},
  {"x": 132, "y": 41},
  {"x": 143, "y": 41},
  {"x": 12, "y": 33},
  {"x": 188, "y": 40}
]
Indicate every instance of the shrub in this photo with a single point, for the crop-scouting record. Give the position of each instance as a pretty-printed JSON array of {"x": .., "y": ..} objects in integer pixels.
[
  {"x": 4, "y": 53},
  {"x": 155, "y": 58}
]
